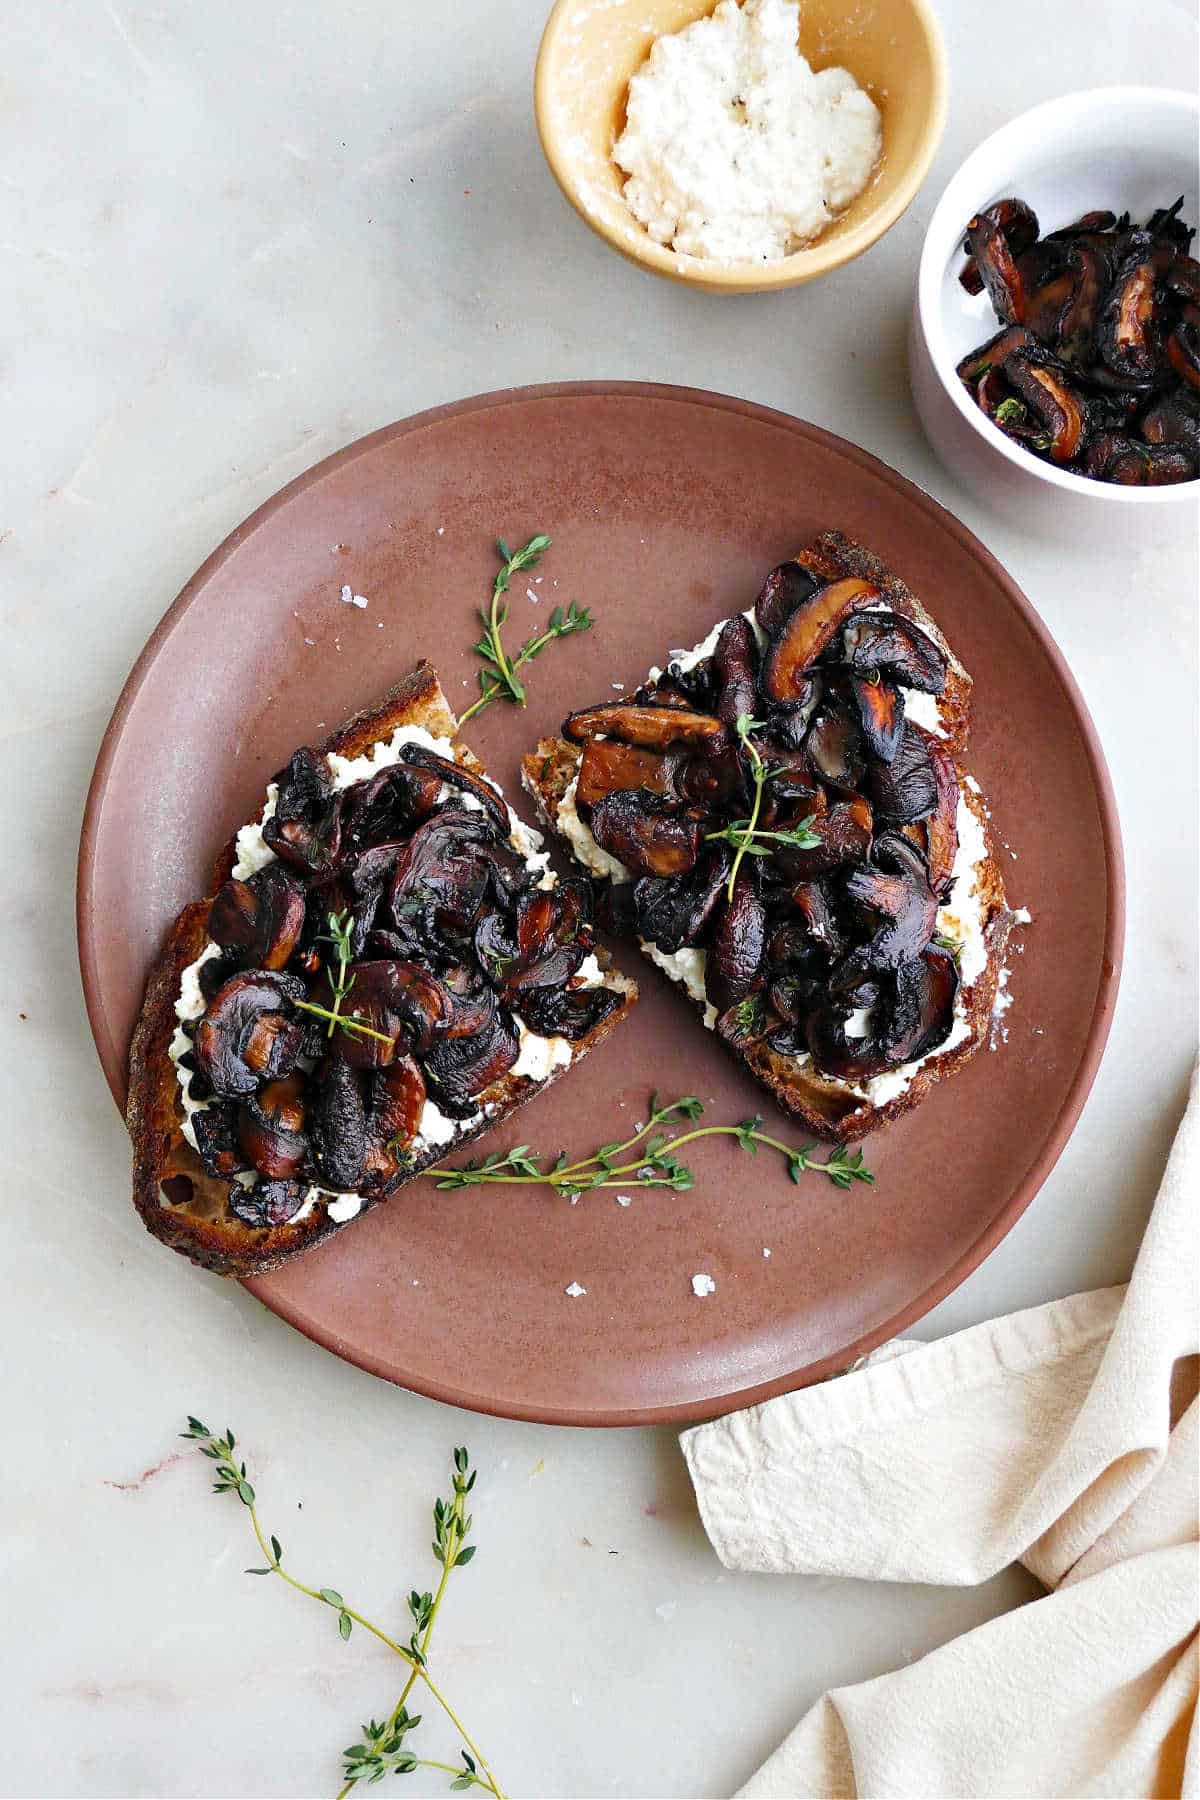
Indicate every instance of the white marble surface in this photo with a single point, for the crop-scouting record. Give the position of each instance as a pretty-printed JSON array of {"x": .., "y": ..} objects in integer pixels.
[{"x": 234, "y": 237}]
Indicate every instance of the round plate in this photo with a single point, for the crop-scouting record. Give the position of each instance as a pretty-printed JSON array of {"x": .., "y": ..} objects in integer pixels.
[{"x": 666, "y": 507}]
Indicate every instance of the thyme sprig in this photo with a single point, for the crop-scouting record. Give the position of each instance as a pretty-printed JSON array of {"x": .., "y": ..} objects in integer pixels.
[
  {"x": 656, "y": 1163},
  {"x": 384, "y": 1748},
  {"x": 499, "y": 677},
  {"x": 745, "y": 834},
  {"x": 341, "y": 929}
]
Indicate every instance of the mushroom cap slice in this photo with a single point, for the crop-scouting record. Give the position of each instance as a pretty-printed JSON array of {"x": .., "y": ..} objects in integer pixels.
[
  {"x": 809, "y": 632},
  {"x": 399, "y": 998},
  {"x": 1057, "y": 406},
  {"x": 271, "y": 1129},
  {"x": 895, "y": 648},
  {"x": 608, "y": 764},
  {"x": 1127, "y": 315},
  {"x": 306, "y": 826},
  {"x": 735, "y": 665},
  {"x": 880, "y": 715},
  {"x": 893, "y": 892},
  {"x": 459, "y": 1069},
  {"x": 739, "y": 945},
  {"x": 645, "y": 833},
  {"x": 650, "y": 727},
  {"x": 261, "y": 919},
  {"x": 787, "y": 586},
  {"x": 338, "y": 1125},
  {"x": 455, "y": 775},
  {"x": 673, "y": 913},
  {"x": 249, "y": 1033},
  {"x": 905, "y": 789}
]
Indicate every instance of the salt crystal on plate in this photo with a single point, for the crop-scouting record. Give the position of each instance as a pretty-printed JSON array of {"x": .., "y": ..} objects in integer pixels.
[
  {"x": 701, "y": 1285},
  {"x": 575, "y": 1291}
]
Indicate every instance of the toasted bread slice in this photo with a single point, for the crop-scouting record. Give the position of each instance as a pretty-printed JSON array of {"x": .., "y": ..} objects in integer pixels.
[
  {"x": 835, "y": 1109},
  {"x": 178, "y": 1200}
]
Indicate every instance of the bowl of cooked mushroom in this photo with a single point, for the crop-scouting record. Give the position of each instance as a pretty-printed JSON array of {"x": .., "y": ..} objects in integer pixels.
[{"x": 1054, "y": 349}]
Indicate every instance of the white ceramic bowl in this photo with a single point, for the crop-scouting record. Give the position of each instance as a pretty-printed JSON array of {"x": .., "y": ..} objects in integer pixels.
[{"x": 1123, "y": 148}]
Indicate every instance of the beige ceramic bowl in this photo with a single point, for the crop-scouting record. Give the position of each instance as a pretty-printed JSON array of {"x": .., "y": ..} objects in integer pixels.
[{"x": 590, "y": 49}]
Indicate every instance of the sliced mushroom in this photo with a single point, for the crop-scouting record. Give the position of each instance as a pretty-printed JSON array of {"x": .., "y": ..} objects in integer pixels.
[
  {"x": 845, "y": 835},
  {"x": 904, "y": 789},
  {"x": 735, "y": 664},
  {"x": 1081, "y": 319},
  {"x": 894, "y": 895},
  {"x": 249, "y": 1033},
  {"x": 260, "y": 920},
  {"x": 920, "y": 1014},
  {"x": 460, "y": 1069},
  {"x": 1183, "y": 352},
  {"x": 892, "y": 646},
  {"x": 746, "y": 1023},
  {"x": 1127, "y": 317},
  {"x": 267, "y": 1204},
  {"x": 675, "y": 913},
  {"x": 456, "y": 775},
  {"x": 306, "y": 826},
  {"x": 542, "y": 946},
  {"x": 271, "y": 1129},
  {"x": 1175, "y": 419},
  {"x": 941, "y": 827},
  {"x": 396, "y": 1098},
  {"x": 880, "y": 715},
  {"x": 834, "y": 747},
  {"x": 570, "y": 1013},
  {"x": 472, "y": 1001},
  {"x": 1058, "y": 408},
  {"x": 442, "y": 877},
  {"x": 1129, "y": 463},
  {"x": 818, "y": 924},
  {"x": 649, "y": 727},
  {"x": 991, "y": 355},
  {"x": 808, "y": 633},
  {"x": 609, "y": 765},
  {"x": 788, "y": 723},
  {"x": 388, "y": 805},
  {"x": 739, "y": 945},
  {"x": 710, "y": 781},
  {"x": 216, "y": 1134},
  {"x": 616, "y": 908},
  {"x": 399, "y": 999},
  {"x": 338, "y": 1125},
  {"x": 646, "y": 833},
  {"x": 788, "y": 586},
  {"x": 995, "y": 252}
]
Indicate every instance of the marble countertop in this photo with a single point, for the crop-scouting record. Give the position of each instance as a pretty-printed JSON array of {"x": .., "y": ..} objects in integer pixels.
[{"x": 234, "y": 238}]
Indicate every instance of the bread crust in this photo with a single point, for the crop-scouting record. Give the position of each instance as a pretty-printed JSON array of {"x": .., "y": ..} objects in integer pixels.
[
  {"x": 205, "y": 1229},
  {"x": 828, "y": 1108}
]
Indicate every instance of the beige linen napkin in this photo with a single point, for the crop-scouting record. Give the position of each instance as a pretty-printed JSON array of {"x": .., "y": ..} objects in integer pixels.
[{"x": 1065, "y": 1437}]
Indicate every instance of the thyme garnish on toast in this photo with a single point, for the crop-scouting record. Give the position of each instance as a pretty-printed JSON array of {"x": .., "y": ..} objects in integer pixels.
[{"x": 744, "y": 834}]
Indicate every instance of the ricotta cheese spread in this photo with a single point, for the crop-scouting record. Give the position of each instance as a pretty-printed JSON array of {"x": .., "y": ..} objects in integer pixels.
[
  {"x": 734, "y": 148},
  {"x": 538, "y": 1056}
]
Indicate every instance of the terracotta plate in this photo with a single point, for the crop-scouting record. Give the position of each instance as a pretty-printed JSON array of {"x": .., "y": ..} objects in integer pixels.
[{"x": 666, "y": 506}]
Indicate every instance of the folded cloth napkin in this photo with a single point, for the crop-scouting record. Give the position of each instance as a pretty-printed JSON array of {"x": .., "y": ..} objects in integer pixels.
[{"x": 1065, "y": 1437}]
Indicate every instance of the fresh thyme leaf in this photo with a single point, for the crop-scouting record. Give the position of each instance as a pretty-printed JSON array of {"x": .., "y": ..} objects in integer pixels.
[
  {"x": 382, "y": 1749},
  {"x": 499, "y": 679},
  {"x": 950, "y": 944},
  {"x": 745, "y": 835},
  {"x": 650, "y": 1159}
]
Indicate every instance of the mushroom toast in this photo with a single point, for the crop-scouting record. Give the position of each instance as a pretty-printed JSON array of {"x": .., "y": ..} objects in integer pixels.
[
  {"x": 387, "y": 969},
  {"x": 781, "y": 820}
]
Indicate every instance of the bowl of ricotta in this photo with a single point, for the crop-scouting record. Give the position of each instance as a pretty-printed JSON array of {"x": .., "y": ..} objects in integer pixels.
[{"x": 740, "y": 146}]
